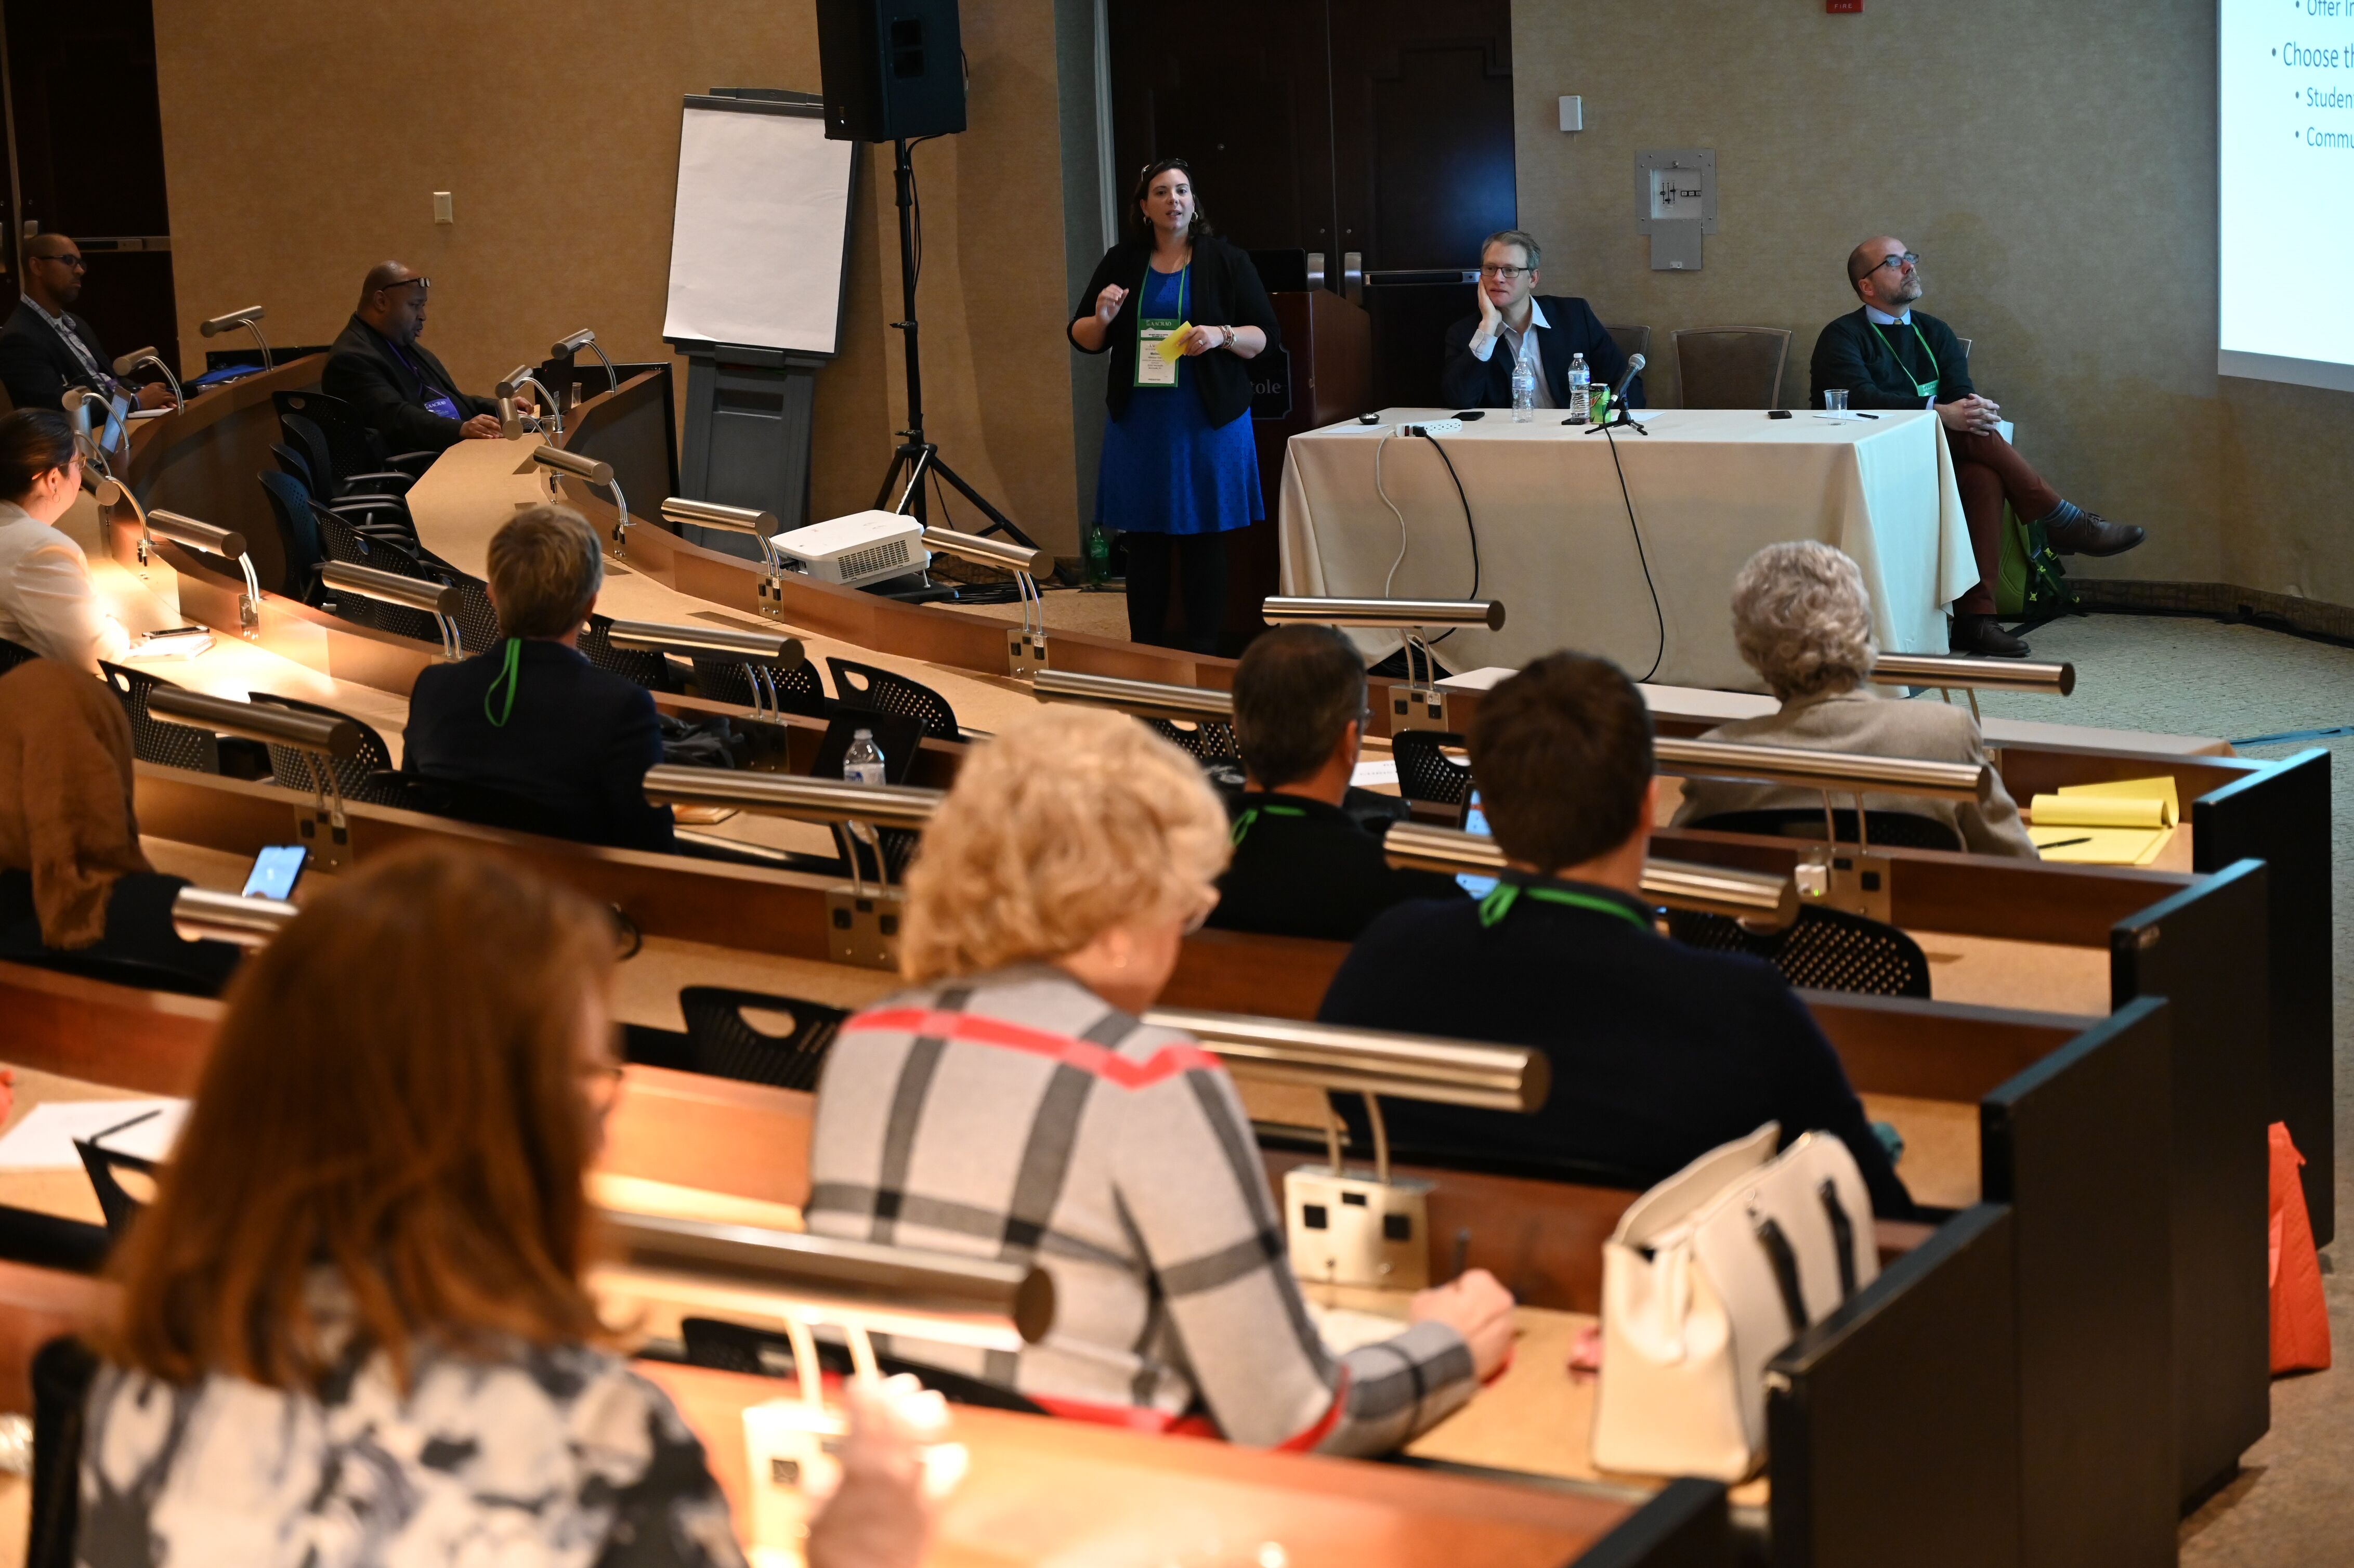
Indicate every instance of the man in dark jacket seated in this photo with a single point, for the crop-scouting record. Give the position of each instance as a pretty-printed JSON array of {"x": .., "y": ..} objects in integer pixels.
[
  {"x": 1659, "y": 1052},
  {"x": 1302, "y": 866},
  {"x": 1551, "y": 327},
  {"x": 1887, "y": 354},
  {"x": 394, "y": 381},
  {"x": 46, "y": 348},
  {"x": 533, "y": 719}
]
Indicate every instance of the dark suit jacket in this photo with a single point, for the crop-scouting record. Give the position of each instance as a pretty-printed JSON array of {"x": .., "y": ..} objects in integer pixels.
[
  {"x": 576, "y": 742},
  {"x": 37, "y": 366},
  {"x": 1849, "y": 353},
  {"x": 1224, "y": 291},
  {"x": 1571, "y": 327},
  {"x": 1659, "y": 1052},
  {"x": 365, "y": 371},
  {"x": 1303, "y": 868}
]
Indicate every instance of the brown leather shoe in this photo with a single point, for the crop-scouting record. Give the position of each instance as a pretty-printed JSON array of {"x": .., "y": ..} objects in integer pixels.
[
  {"x": 1980, "y": 637},
  {"x": 2094, "y": 534}
]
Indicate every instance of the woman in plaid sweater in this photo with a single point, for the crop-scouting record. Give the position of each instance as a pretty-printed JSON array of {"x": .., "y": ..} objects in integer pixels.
[{"x": 1011, "y": 1104}]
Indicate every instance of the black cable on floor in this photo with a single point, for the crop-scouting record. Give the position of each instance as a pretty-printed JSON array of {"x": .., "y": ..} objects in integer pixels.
[{"x": 1656, "y": 613}]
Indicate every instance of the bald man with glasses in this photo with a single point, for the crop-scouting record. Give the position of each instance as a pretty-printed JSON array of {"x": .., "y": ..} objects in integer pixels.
[
  {"x": 46, "y": 348},
  {"x": 1889, "y": 356},
  {"x": 394, "y": 382}
]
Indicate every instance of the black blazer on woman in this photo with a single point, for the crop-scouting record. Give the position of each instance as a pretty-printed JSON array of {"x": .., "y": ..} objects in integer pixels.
[{"x": 1224, "y": 291}]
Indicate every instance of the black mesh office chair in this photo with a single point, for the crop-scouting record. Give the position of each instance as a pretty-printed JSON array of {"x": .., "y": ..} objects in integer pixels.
[
  {"x": 1426, "y": 772},
  {"x": 477, "y": 619},
  {"x": 160, "y": 740},
  {"x": 343, "y": 542},
  {"x": 387, "y": 514},
  {"x": 1889, "y": 829},
  {"x": 800, "y": 690},
  {"x": 722, "y": 1042},
  {"x": 62, "y": 1372},
  {"x": 736, "y": 1348},
  {"x": 1207, "y": 742},
  {"x": 13, "y": 654},
  {"x": 651, "y": 671},
  {"x": 355, "y": 776},
  {"x": 344, "y": 454},
  {"x": 1825, "y": 950},
  {"x": 857, "y": 685}
]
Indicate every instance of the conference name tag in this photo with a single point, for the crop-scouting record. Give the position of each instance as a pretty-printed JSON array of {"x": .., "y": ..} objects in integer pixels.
[{"x": 1160, "y": 343}]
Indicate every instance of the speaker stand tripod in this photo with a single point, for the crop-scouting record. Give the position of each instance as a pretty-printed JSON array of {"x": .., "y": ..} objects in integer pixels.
[{"x": 916, "y": 456}]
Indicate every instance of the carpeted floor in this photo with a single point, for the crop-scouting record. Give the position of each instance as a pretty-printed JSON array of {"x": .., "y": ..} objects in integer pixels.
[{"x": 2293, "y": 1505}]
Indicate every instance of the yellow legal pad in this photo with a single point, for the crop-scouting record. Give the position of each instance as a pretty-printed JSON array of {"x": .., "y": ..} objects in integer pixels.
[
  {"x": 1172, "y": 348},
  {"x": 2124, "y": 823}
]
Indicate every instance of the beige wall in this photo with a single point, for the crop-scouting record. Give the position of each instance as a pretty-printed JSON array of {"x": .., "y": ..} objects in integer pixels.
[
  {"x": 303, "y": 142},
  {"x": 2053, "y": 164}
]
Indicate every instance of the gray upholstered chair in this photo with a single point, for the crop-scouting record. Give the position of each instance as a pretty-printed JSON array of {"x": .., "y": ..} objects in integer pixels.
[
  {"x": 1732, "y": 366},
  {"x": 1631, "y": 340}
]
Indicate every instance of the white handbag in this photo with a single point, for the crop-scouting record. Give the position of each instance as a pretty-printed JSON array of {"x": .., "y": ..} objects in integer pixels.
[{"x": 1708, "y": 1276}]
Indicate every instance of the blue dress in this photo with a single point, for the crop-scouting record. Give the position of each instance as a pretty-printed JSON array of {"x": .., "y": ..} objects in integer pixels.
[{"x": 1166, "y": 469}]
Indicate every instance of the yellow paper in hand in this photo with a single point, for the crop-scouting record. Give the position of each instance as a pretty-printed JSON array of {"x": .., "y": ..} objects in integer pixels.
[{"x": 1172, "y": 348}]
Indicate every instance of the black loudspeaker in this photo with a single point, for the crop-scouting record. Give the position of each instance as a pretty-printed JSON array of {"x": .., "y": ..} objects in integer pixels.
[{"x": 893, "y": 68}]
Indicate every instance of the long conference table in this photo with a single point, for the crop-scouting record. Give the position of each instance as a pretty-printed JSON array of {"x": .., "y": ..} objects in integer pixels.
[{"x": 1368, "y": 513}]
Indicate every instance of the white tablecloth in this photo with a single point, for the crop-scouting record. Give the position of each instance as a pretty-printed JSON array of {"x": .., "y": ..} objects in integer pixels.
[{"x": 1709, "y": 487}]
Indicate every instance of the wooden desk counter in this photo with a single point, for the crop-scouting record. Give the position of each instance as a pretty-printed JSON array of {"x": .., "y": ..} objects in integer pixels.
[{"x": 1047, "y": 1491}]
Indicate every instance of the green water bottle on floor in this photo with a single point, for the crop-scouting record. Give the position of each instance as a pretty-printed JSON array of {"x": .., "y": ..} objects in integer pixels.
[{"x": 1098, "y": 556}]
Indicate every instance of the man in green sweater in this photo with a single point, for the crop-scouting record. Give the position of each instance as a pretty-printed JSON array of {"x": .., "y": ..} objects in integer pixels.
[{"x": 1889, "y": 355}]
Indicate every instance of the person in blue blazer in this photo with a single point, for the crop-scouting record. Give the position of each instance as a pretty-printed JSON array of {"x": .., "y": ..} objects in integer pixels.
[
  {"x": 1481, "y": 349},
  {"x": 533, "y": 719}
]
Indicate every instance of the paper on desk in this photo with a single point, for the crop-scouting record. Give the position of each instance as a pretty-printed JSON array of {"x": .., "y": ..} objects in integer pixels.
[
  {"x": 2125, "y": 822},
  {"x": 1344, "y": 1329},
  {"x": 1379, "y": 775},
  {"x": 44, "y": 1140},
  {"x": 1172, "y": 348}
]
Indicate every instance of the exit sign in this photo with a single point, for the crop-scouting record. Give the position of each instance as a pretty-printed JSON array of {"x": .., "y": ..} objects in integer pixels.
[{"x": 1836, "y": 6}]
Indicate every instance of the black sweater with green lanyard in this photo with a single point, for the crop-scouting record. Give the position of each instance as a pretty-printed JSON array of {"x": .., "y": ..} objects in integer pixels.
[
  {"x": 1303, "y": 868},
  {"x": 1886, "y": 367}
]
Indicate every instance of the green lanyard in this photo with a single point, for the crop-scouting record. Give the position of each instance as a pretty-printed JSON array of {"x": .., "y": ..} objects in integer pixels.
[
  {"x": 1925, "y": 388},
  {"x": 1151, "y": 332},
  {"x": 1244, "y": 823},
  {"x": 510, "y": 675},
  {"x": 1499, "y": 904}
]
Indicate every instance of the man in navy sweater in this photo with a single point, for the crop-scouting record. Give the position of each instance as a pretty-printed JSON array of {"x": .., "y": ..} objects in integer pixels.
[
  {"x": 1659, "y": 1052},
  {"x": 567, "y": 743}
]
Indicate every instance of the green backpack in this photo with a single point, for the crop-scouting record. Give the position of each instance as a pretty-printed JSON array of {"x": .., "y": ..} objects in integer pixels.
[{"x": 2031, "y": 583}]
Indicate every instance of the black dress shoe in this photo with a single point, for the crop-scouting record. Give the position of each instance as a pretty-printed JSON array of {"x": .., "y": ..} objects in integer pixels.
[
  {"x": 2094, "y": 534},
  {"x": 1980, "y": 637}
]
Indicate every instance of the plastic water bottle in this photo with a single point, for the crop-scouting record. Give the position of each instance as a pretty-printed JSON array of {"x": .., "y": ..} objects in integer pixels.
[
  {"x": 863, "y": 763},
  {"x": 1098, "y": 556},
  {"x": 1581, "y": 382},
  {"x": 1524, "y": 389}
]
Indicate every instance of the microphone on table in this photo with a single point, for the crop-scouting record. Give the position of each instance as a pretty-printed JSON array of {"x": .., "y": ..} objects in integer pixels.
[{"x": 1634, "y": 363}]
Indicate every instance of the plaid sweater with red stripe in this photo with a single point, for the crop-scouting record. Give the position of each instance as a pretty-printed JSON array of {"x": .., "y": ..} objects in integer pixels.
[{"x": 1018, "y": 1116}]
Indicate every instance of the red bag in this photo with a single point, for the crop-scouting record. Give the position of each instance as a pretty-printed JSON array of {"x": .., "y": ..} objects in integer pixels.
[{"x": 2300, "y": 1314}]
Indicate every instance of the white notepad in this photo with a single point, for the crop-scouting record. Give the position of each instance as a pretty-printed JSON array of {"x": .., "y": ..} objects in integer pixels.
[{"x": 44, "y": 1140}]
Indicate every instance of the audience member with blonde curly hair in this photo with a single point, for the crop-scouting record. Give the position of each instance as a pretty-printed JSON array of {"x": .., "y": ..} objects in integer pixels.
[
  {"x": 1803, "y": 621},
  {"x": 1013, "y": 1104}
]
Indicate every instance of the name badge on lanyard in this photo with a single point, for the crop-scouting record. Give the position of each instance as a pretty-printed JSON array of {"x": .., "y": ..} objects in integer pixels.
[
  {"x": 1921, "y": 389},
  {"x": 1155, "y": 366}
]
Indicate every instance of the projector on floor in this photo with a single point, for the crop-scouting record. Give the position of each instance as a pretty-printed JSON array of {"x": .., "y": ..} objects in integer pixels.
[{"x": 864, "y": 547}]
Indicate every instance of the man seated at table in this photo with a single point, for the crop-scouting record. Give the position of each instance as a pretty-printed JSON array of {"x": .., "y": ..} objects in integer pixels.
[
  {"x": 1302, "y": 866},
  {"x": 1659, "y": 1052},
  {"x": 1803, "y": 621},
  {"x": 1547, "y": 328},
  {"x": 393, "y": 381},
  {"x": 1886, "y": 355},
  {"x": 533, "y": 719},
  {"x": 46, "y": 348}
]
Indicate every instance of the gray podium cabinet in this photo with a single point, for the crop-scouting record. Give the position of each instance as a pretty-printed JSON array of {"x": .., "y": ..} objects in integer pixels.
[{"x": 747, "y": 436}]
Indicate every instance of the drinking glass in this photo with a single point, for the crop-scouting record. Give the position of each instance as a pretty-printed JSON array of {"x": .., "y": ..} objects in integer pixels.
[{"x": 1835, "y": 402}]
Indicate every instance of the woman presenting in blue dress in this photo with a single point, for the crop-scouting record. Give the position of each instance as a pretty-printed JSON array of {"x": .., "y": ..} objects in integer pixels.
[{"x": 1180, "y": 469}]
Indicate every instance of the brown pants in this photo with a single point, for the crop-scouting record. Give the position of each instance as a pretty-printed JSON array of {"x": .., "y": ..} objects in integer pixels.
[{"x": 1988, "y": 470}]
